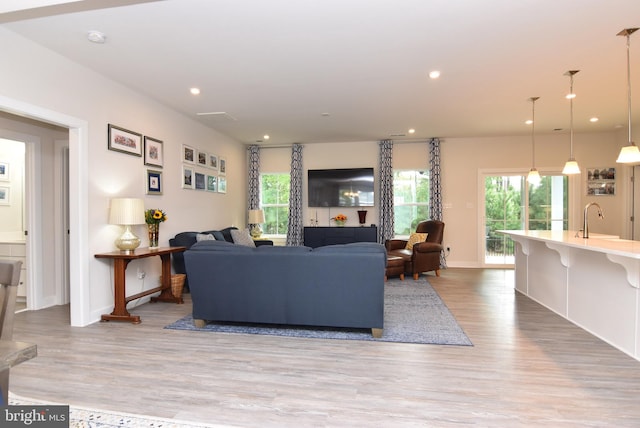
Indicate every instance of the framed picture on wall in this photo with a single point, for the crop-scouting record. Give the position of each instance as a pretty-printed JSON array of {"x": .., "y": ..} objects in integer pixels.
[
  {"x": 222, "y": 184},
  {"x": 188, "y": 154},
  {"x": 4, "y": 171},
  {"x": 4, "y": 195},
  {"x": 200, "y": 181},
  {"x": 154, "y": 182},
  {"x": 213, "y": 162},
  {"x": 212, "y": 183},
  {"x": 187, "y": 177},
  {"x": 124, "y": 141},
  {"x": 202, "y": 158},
  {"x": 222, "y": 163},
  {"x": 153, "y": 154},
  {"x": 601, "y": 181}
]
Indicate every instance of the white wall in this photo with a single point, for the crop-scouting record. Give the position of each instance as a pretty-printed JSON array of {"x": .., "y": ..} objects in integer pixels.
[{"x": 37, "y": 77}]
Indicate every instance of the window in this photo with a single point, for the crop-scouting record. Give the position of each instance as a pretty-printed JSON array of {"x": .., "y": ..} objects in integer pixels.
[
  {"x": 512, "y": 204},
  {"x": 410, "y": 199},
  {"x": 274, "y": 195}
]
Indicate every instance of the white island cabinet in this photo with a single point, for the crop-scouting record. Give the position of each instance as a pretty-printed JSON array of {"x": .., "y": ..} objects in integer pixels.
[{"x": 594, "y": 283}]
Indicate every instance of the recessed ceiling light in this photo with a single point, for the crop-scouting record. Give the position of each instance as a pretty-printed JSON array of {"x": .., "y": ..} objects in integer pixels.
[
  {"x": 570, "y": 96},
  {"x": 96, "y": 36},
  {"x": 528, "y": 122},
  {"x": 593, "y": 120},
  {"x": 326, "y": 114},
  {"x": 412, "y": 131},
  {"x": 195, "y": 91},
  {"x": 266, "y": 136},
  {"x": 434, "y": 74}
]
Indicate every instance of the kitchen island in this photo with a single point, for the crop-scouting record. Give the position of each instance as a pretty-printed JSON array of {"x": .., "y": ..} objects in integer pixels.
[{"x": 594, "y": 283}]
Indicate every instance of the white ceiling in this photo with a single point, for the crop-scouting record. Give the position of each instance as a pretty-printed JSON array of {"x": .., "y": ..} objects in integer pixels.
[{"x": 276, "y": 66}]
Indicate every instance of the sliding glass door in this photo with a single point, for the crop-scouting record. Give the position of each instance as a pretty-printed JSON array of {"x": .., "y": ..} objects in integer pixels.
[{"x": 511, "y": 203}]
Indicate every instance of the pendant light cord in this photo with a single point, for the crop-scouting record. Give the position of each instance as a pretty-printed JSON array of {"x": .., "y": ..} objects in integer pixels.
[{"x": 629, "y": 83}]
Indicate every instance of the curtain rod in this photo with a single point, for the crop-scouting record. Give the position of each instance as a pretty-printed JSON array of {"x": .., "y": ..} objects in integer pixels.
[{"x": 286, "y": 146}]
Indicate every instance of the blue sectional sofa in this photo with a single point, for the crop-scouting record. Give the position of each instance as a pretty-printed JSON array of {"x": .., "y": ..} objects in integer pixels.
[
  {"x": 187, "y": 239},
  {"x": 332, "y": 286}
]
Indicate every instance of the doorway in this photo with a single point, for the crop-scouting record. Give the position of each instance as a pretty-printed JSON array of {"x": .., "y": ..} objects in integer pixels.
[
  {"x": 510, "y": 203},
  {"x": 36, "y": 210}
]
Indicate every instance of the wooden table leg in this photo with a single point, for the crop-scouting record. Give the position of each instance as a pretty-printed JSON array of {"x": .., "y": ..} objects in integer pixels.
[{"x": 120, "y": 312}]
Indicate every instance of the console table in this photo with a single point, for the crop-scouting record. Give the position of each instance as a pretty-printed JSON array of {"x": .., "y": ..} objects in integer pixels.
[
  {"x": 120, "y": 262},
  {"x": 321, "y": 236}
]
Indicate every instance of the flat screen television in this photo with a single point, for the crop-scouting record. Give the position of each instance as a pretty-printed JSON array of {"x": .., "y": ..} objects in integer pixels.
[{"x": 348, "y": 187}]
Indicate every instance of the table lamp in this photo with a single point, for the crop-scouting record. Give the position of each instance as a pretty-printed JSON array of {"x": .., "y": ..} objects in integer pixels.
[
  {"x": 256, "y": 218},
  {"x": 127, "y": 212}
]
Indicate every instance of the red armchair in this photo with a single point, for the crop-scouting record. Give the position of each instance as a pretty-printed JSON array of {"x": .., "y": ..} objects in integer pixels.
[{"x": 425, "y": 256}]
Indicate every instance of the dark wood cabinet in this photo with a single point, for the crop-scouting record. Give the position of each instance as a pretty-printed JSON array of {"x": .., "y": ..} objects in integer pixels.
[{"x": 321, "y": 236}]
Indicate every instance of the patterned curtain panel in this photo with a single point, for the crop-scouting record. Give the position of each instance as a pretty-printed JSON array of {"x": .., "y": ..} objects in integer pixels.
[
  {"x": 435, "y": 187},
  {"x": 253, "y": 201},
  {"x": 295, "y": 228},
  {"x": 385, "y": 231}
]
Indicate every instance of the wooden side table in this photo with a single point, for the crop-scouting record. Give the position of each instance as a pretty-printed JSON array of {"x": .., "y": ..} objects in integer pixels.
[{"x": 120, "y": 262}]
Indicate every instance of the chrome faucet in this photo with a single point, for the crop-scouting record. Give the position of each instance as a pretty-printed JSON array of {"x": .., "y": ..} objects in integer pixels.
[{"x": 585, "y": 222}]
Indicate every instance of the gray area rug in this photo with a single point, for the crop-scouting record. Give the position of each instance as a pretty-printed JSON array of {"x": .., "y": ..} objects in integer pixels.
[{"x": 413, "y": 313}]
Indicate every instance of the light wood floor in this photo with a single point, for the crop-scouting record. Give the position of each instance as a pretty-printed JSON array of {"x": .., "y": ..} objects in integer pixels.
[{"x": 529, "y": 367}]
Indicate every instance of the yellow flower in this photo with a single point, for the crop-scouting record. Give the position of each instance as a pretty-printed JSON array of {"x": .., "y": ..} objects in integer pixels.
[
  {"x": 340, "y": 217},
  {"x": 154, "y": 216}
]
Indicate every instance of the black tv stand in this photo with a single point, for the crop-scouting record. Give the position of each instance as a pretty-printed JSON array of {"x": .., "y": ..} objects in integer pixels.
[{"x": 320, "y": 236}]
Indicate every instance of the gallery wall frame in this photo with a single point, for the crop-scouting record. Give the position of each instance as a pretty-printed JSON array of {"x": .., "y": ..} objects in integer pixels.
[
  {"x": 4, "y": 171},
  {"x": 153, "y": 152},
  {"x": 187, "y": 177},
  {"x": 213, "y": 162},
  {"x": 222, "y": 184},
  {"x": 200, "y": 183},
  {"x": 124, "y": 141},
  {"x": 212, "y": 183},
  {"x": 202, "y": 158},
  {"x": 601, "y": 181},
  {"x": 188, "y": 154},
  {"x": 154, "y": 182},
  {"x": 222, "y": 163},
  {"x": 4, "y": 195}
]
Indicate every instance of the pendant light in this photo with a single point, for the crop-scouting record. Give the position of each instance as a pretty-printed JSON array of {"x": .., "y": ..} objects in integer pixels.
[
  {"x": 534, "y": 175},
  {"x": 630, "y": 152},
  {"x": 571, "y": 167}
]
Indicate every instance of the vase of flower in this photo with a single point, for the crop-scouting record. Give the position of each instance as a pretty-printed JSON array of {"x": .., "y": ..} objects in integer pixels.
[
  {"x": 154, "y": 231},
  {"x": 340, "y": 220},
  {"x": 153, "y": 218}
]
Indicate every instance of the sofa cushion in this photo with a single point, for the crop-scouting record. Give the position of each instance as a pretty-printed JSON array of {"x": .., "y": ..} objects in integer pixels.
[
  {"x": 218, "y": 235},
  {"x": 204, "y": 237},
  {"x": 216, "y": 245},
  {"x": 416, "y": 238},
  {"x": 242, "y": 237}
]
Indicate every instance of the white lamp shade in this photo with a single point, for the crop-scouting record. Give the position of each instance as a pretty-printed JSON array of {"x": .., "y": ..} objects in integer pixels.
[
  {"x": 629, "y": 154},
  {"x": 256, "y": 216},
  {"x": 534, "y": 177},
  {"x": 571, "y": 167},
  {"x": 126, "y": 211}
]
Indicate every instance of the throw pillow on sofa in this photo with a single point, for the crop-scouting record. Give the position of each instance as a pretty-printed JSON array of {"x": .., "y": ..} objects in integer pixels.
[
  {"x": 416, "y": 238},
  {"x": 242, "y": 237},
  {"x": 205, "y": 237}
]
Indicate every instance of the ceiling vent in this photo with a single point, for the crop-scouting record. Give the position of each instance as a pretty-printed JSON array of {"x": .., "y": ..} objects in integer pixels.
[{"x": 217, "y": 117}]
